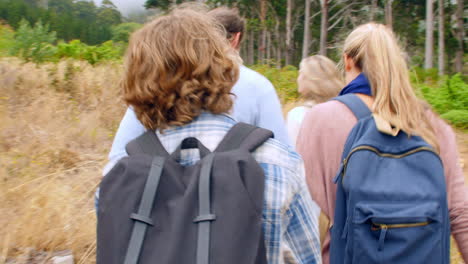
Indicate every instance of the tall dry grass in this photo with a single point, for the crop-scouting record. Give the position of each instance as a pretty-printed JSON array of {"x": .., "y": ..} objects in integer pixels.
[{"x": 56, "y": 126}]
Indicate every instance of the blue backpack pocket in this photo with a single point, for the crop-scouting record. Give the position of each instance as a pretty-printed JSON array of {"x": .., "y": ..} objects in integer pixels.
[{"x": 397, "y": 232}]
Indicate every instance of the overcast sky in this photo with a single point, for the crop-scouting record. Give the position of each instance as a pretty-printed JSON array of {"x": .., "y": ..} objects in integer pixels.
[{"x": 126, "y": 6}]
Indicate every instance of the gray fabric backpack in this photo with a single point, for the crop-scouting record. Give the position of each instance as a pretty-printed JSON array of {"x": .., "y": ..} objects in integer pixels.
[{"x": 154, "y": 210}]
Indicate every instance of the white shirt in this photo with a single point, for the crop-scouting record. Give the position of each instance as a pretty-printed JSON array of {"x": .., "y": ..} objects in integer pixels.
[{"x": 294, "y": 120}]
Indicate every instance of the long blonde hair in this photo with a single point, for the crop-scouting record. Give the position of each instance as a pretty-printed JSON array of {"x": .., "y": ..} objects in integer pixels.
[
  {"x": 320, "y": 77},
  {"x": 375, "y": 50}
]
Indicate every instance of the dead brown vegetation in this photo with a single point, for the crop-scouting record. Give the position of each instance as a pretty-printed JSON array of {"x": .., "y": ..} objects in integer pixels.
[{"x": 56, "y": 126}]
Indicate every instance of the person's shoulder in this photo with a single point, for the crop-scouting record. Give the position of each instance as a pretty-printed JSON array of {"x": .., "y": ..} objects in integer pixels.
[
  {"x": 298, "y": 110},
  {"x": 330, "y": 107},
  {"x": 250, "y": 77},
  {"x": 330, "y": 111},
  {"x": 278, "y": 155},
  {"x": 297, "y": 113},
  {"x": 284, "y": 173},
  {"x": 250, "y": 74}
]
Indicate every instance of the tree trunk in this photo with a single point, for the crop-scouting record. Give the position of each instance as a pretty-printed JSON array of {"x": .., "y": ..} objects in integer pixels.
[
  {"x": 278, "y": 44},
  {"x": 429, "y": 48},
  {"x": 324, "y": 28},
  {"x": 260, "y": 48},
  {"x": 373, "y": 10},
  {"x": 262, "y": 44},
  {"x": 305, "y": 43},
  {"x": 460, "y": 37},
  {"x": 273, "y": 46},
  {"x": 389, "y": 14},
  {"x": 268, "y": 47},
  {"x": 251, "y": 57},
  {"x": 288, "y": 32},
  {"x": 44, "y": 4},
  {"x": 441, "y": 58}
]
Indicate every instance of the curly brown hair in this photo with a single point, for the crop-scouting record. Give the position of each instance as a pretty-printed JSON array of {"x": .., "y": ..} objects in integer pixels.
[{"x": 177, "y": 66}]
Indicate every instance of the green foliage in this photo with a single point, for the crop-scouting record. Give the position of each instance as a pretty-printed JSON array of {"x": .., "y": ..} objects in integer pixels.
[
  {"x": 449, "y": 98},
  {"x": 284, "y": 80},
  {"x": 74, "y": 49},
  {"x": 104, "y": 52},
  {"x": 34, "y": 43},
  {"x": 7, "y": 39},
  {"x": 93, "y": 54},
  {"x": 161, "y": 4},
  {"x": 427, "y": 75},
  {"x": 123, "y": 31},
  {"x": 71, "y": 19},
  {"x": 458, "y": 118},
  {"x": 452, "y": 93},
  {"x": 108, "y": 14}
]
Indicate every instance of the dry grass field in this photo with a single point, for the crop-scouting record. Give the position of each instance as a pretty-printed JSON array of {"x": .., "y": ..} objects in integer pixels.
[{"x": 56, "y": 127}]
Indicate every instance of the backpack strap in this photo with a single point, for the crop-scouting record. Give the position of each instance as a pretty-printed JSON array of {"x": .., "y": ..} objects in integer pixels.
[
  {"x": 244, "y": 136},
  {"x": 148, "y": 143},
  {"x": 355, "y": 104},
  {"x": 143, "y": 217},
  {"x": 205, "y": 216}
]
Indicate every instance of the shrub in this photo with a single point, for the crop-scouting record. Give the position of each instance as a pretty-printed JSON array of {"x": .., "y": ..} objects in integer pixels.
[
  {"x": 7, "y": 39},
  {"x": 104, "y": 52},
  {"x": 451, "y": 94},
  {"x": 34, "y": 43},
  {"x": 123, "y": 31},
  {"x": 284, "y": 80},
  {"x": 457, "y": 118},
  {"x": 427, "y": 75},
  {"x": 74, "y": 49},
  {"x": 93, "y": 54}
]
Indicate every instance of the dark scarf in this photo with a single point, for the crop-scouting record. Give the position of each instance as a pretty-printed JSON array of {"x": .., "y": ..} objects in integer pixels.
[{"x": 359, "y": 85}]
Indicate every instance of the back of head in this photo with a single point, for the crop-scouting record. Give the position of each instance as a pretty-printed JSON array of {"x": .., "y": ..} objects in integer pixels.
[
  {"x": 375, "y": 50},
  {"x": 230, "y": 19},
  {"x": 177, "y": 66},
  {"x": 320, "y": 79}
]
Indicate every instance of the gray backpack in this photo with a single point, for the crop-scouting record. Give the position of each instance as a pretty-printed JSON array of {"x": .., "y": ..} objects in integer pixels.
[{"x": 154, "y": 210}]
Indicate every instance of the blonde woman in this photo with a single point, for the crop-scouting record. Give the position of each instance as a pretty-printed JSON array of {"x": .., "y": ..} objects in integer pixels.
[
  {"x": 318, "y": 81},
  {"x": 376, "y": 72}
]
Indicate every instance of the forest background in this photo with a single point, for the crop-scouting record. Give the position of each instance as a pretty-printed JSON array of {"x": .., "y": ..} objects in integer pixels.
[{"x": 60, "y": 67}]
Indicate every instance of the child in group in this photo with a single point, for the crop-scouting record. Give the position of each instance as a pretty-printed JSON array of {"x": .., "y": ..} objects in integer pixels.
[
  {"x": 255, "y": 103},
  {"x": 377, "y": 73},
  {"x": 178, "y": 79},
  {"x": 319, "y": 80}
]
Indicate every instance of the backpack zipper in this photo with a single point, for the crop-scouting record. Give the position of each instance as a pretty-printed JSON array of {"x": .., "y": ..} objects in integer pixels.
[
  {"x": 378, "y": 226},
  {"x": 385, "y": 227},
  {"x": 388, "y": 155}
]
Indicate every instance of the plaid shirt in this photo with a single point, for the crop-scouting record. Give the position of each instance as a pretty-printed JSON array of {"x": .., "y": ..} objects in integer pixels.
[{"x": 290, "y": 227}]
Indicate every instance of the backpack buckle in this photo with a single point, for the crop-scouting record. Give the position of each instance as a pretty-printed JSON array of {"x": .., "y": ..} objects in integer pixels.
[
  {"x": 142, "y": 219},
  {"x": 204, "y": 218}
]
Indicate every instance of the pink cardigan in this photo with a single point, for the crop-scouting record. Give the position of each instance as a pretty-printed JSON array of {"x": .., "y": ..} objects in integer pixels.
[{"x": 321, "y": 141}]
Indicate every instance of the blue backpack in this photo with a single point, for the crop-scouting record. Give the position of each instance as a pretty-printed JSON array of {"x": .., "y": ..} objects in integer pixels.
[{"x": 391, "y": 204}]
